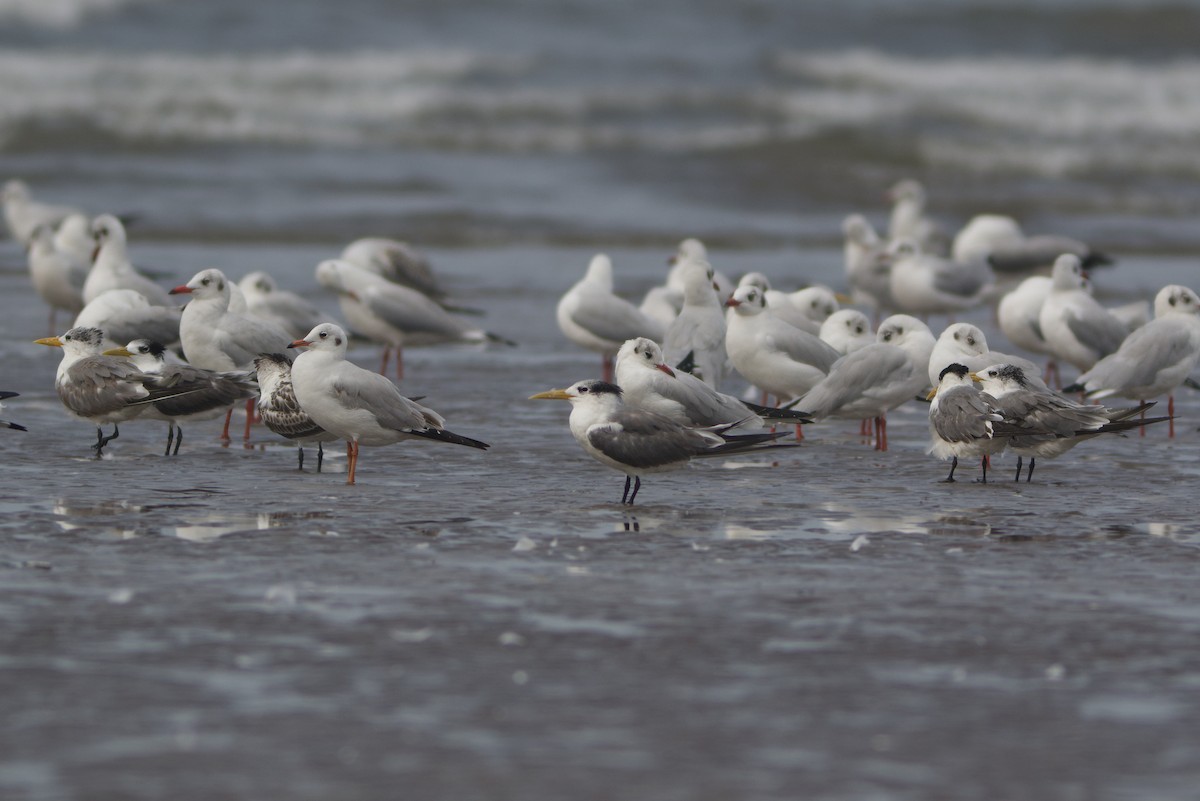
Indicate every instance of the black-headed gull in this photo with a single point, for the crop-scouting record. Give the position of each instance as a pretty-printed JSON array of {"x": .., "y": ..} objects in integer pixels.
[
  {"x": 357, "y": 405},
  {"x": 111, "y": 268},
  {"x": 1077, "y": 329}
]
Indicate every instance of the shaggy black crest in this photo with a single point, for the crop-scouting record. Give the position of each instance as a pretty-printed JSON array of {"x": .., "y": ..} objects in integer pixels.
[{"x": 956, "y": 368}]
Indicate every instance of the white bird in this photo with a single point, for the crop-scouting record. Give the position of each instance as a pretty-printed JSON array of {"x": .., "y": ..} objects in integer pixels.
[
  {"x": 56, "y": 277},
  {"x": 23, "y": 214},
  {"x": 982, "y": 235},
  {"x": 392, "y": 314},
  {"x": 962, "y": 421},
  {"x": 1077, "y": 329},
  {"x": 922, "y": 283},
  {"x": 693, "y": 249},
  {"x": 215, "y": 338},
  {"x": 649, "y": 383},
  {"x": 998, "y": 241},
  {"x": 699, "y": 330},
  {"x": 1156, "y": 358},
  {"x": 965, "y": 344},
  {"x": 291, "y": 312},
  {"x": 357, "y": 405},
  {"x": 816, "y": 303},
  {"x": 124, "y": 315},
  {"x": 102, "y": 389},
  {"x": 661, "y": 304},
  {"x": 73, "y": 237},
  {"x": 5, "y": 423},
  {"x": 867, "y": 265},
  {"x": 909, "y": 221},
  {"x": 397, "y": 261},
  {"x": 847, "y": 330},
  {"x": 1058, "y": 423},
  {"x": 774, "y": 356},
  {"x": 638, "y": 442},
  {"x": 871, "y": 381},
  {"x": 111, "y": 268},
  {"x": 281, "y": 412},
  {"x": 208, "y": 393},
  {"x": 591, "y": 316}
]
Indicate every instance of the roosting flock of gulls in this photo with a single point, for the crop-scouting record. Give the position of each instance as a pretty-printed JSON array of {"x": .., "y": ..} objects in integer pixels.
[{"x": 132, "y": 353}]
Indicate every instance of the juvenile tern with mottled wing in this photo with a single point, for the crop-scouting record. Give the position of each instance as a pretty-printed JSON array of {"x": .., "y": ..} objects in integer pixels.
[
  {"x": 281, "y": 412},
  {"x": 638, "y": 442}
]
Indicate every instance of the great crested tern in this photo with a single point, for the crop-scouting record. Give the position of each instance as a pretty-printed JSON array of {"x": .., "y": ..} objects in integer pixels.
[
  {"x": 963, "y": 422},
  {"x": 638, "y": 442}
]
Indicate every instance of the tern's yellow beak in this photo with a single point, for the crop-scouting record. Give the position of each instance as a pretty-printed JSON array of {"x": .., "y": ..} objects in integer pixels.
[
  {"x": 118, "y": 352},
  {"x": 53, "y": 342},
  {"x": 932, "y": 392},
  {"x": 975, "y": 377},
  {"x": 551, "y": 394},
  {"x": 842, "y": 297}
]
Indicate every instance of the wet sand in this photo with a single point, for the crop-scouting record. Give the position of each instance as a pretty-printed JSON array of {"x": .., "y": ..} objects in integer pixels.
[{"x": 828, "y": 622}]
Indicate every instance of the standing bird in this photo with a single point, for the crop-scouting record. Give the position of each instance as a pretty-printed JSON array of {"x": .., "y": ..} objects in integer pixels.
[
  {"x": 638, "y": 442},
  {"x": 281, "y": 412},
  {"x": 56, "y": 277},
  {"x": 1156, "y": 358},
  {"x": 965, "y": 344},
  {"x": 775, "y": 357},
  {"x": 846, "y": 331},
  {"x": 111, "y": 268},
  {"x": 392, "y": 314},
  {"x": 1019, "y": 314},
  {"x": 4, "y": 423},
  {"x": 215, "y": 338},
  {"x": 288, "y": 310},
  {"x": 398, "y": 262},
  {"x": 23, "y": 214},
  {"x": 1060, "y": 423},
  {"x": 357, "y": 405},
  {"x": 123, "y": 315},
  {"x": 867, "y": 266},
  {"x": 591, "y": 316},
  {"x": 923, "y": 283},
  {"x": 1077, "y": 329},
  {"x": 699, "y": 330},
  {"x": 73, "y": 238},
  {"x": 909, "y": 221},
  {"x": 102, "y": 389},
  {"x": 962, "y": 421},
  {"x": 210, "y": 393},
  {"x": 873, "y": 380},
  {"x": 649, "y": 383}
]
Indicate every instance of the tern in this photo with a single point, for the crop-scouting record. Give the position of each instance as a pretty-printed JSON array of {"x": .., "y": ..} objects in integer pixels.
[
  {"x": 357, "y": 405},
  {"x": 638, "y": 442},
  {"x": 963, "y": 422}
]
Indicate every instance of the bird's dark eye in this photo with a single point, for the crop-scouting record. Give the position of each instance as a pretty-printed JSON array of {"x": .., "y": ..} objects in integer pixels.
[
  {"x": 324, "y": 334},
  {"x": 583, "y": 389},
  {"x": 647, "y": 355},
  {"x": 337, "y": 340},
  {"x": 971, "y": 341},
  {"x": 887, "y": 337},
  {"x": 956, "y": 336},
  {"x": 1171, "y": 300},
  {"x": 206, "y": 281}
]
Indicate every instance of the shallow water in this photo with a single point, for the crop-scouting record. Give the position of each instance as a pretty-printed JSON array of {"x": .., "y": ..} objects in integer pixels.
[{"x": 822, "y": 623}]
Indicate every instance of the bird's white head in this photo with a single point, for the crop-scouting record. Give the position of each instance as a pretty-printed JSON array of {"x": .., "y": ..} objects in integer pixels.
[
  {"x": 15, "y": 191},
  {"x": 964, "y": 338},
  {"x": 642, "y": 353},
  {"x": 590, "y": 391},
  {"x": 79, "y": 341},
  {"x": 748, "y": 301},
  {"x": 325, "y": 338},
  {"x": 899, "y": 327},
  {"x": 1067, "y": 273},
  {"x": 205, "y": 285},
  {"x": 1000, "y": 378},
  {"x": 600, "y": 271},
  {"x": 1176, "y": 299},
  {"x": 755, "y": 279},
  {"x": 257, "y": 284},
  {"x": 857, "y": 230}
]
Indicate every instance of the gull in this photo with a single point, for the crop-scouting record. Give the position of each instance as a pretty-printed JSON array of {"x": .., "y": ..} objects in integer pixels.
[
  {"x": 279, "y": 409},
  {"x": 908, "y": 219},
  {"x": 965, "y": 344},
  {"x": 661, "y": 304},
  {"x": 984, "y": 234},
  {"x": 4, "y": 423},
  {"x": 693, "y": 249},
  {"x": 291, "y": 312},
  {"x": 73, "y": 238},
  {"x": 868, "y": 268},
  {"x": 1077, "y": 329},
  {"x": 1019, "y": 312},
  {"x": 1156, "y": 358},
  {"x": 397, "y": 261},
  {"x": 1060, "y": 423},
  {"x": 780, "y": 304},
  {"x": 208, "y": 393},
  {"x": 962, "y": 421},
  {"x": 648, "y": 383},
  {"x": 23, "y": 214},
  {"x": 124, "y": 315},
  {"x": 638, "y": 442},
  {"x": 591, "y": 316},
  {"x": 774, "y": 356},
  {"x": 392, "y": 314},
  {"x": 699, "y": 330},
  {"x": 56, "y": 277},
  {"x": 356, "y": 405},
  {"x": 872, "y": 380},
  {"x": 102, "y": 389},
  {"x": 216, "y": 338},
  {"x": 111, "y": 268},
  {"x": 998, "y": 241},
  {"x": 922, "y": 283},
  {"x": 847, "y": 330}
]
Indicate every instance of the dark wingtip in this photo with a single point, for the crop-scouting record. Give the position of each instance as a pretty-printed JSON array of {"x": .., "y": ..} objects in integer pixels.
[
  {"x": 1074, "y": 388},
  {"x": 442, "y": 435},
  {"x": 1096, "y": 259},
  {"x": 16, "y": 426}
]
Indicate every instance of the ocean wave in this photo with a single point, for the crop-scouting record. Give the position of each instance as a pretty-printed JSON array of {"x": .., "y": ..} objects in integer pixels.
[
  {"x": 1043, "y": 116},
  {"x": 59, "y": 13}
]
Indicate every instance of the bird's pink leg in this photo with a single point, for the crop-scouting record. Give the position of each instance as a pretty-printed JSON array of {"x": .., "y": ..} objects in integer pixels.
[
  {"x": 606, "y": 366},
  {"x": 399, "y": 362},
  {"x": 1171, "y": 415},
  {"x": 249, "y": 417},
  {"x": 352, "y": 454},
  {"x": 799, "y": 431},
  {"x": 387, "y": 351},
  {"x": 225, "y": 431}
]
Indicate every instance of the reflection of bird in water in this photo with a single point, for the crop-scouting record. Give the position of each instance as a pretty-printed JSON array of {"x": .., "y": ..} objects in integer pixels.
[
  {"x": 279, "y": 409},
  {"x": 638, "y": 442}
]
